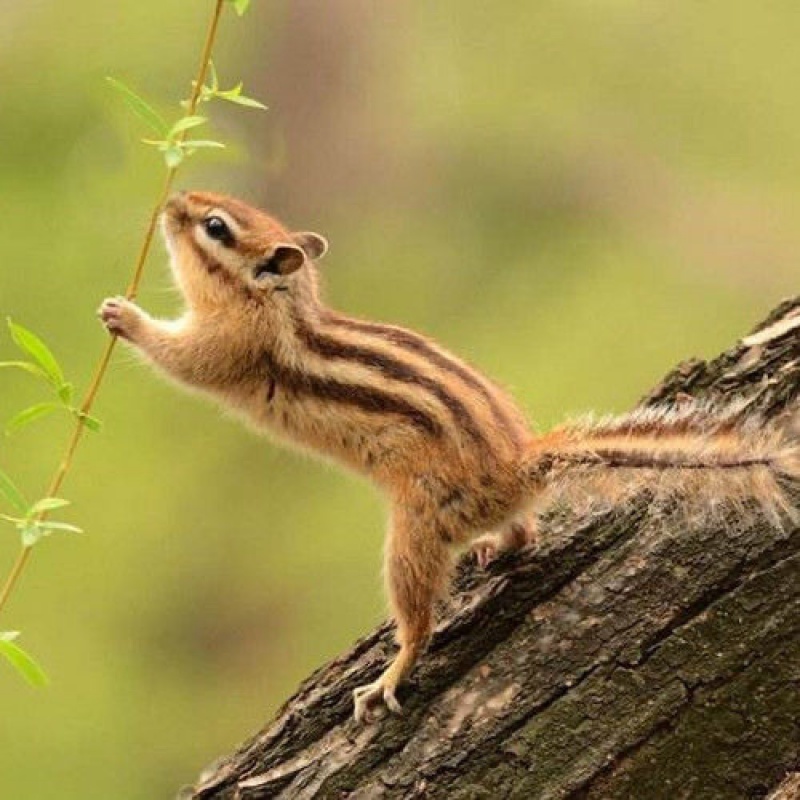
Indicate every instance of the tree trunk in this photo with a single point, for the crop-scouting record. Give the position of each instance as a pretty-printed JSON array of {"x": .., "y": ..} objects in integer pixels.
[{"x": 625, "y": 657}]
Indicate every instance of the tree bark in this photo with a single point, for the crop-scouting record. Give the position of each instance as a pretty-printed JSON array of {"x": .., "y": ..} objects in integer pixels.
[{"x": 624, "y": 657}]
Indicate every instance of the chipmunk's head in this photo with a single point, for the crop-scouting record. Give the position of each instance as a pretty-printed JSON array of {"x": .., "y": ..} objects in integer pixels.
[{"x": 223, "y": 250}]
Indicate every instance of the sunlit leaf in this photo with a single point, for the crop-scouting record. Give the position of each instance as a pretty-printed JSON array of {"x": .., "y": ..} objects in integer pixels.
[
  {"x": 28, "y": 415},
  {"x": 184, "y": 124},
  {"x": 173, "y": 155},
  {"x": 241, "y": 100},
  {"x": 141, "y": 107},
  {"x": 241, "y": 6},
  {"x": 212, "y": 72},
  {"x": 63, "y": 527},
  {"x": 48, "y": 504},
  {"x": 25, "y": 365},
  {"x": 29, "y": 342},
  {"x": 195, "y": 144},
  {"x": 13, "y": 495},
  {"x": 24, "y": 664},
  {"x": 31, "y": 532}
]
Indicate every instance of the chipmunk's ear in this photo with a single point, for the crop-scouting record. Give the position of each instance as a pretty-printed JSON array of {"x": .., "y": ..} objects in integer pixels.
[
  {"x": 284, "y": 259},
  {"x": 314, "y": 245}
]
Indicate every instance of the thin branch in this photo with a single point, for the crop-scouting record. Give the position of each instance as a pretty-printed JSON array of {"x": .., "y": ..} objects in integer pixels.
[{"x": 102, "y": 366}]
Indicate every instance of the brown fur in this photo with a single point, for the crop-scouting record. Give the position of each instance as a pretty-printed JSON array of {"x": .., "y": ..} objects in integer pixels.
[
  {"x": 451, "y": 451},
  {"x": 441, "y": 440}
]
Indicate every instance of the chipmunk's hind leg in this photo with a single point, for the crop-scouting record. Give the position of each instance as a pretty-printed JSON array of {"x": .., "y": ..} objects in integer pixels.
[
  {"x": 417, "y": 572},
  {"x": 513, "y": 536}
]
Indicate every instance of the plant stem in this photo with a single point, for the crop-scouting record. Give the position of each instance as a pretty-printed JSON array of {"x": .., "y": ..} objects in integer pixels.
[
  {"x": 19, "y": 565},
  {"x": 102, "y": 365}
]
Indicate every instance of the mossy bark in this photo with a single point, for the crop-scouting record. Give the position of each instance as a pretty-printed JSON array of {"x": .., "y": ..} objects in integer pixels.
[{"x": 626, "y": 657}]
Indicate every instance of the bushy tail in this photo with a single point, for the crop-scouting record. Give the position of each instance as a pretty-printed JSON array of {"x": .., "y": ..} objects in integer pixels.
[{"x": 695, "y": 458}]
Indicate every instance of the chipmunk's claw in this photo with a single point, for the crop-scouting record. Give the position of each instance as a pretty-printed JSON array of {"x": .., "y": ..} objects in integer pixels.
[
  {"x": 120, "y": 316},
  {"x": 486, "y": 549},
  {"x": 369, "y": 699}
]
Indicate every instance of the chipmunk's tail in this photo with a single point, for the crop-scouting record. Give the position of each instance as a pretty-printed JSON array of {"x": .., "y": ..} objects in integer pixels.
[{"x": 698, "y": 459}]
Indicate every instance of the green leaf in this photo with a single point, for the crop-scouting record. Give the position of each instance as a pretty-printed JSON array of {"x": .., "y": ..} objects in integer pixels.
[
  {"x": 141, "y": 107},
  {"x": 212, "y": 73},
  {"x": 173, "y": 155},
  {"x": 241, "y": 6},
  {"x": 13, "y": 495},
  {"x": 28, "y": 415},
  {"x": 27, "y": 366},
  {"x": 60, "y": 526},
  {"x": 31, "y": 533},
  {"x": 33, "y": 530},
  {"x": 92, "y": 423},
  {"x": 184, "y": 124},
  {"x": 241, "y": 100},
  {"x": 48, "y": 504},
  {"x": 65, "y": 393},
  {"x": 38, "y": 350},
  {"x": 24, "y": 664},
  {"x": 195, "y": 144}
]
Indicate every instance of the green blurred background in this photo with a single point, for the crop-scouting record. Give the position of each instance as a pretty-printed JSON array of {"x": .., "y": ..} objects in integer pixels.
[{"x": 574, "y": 195}]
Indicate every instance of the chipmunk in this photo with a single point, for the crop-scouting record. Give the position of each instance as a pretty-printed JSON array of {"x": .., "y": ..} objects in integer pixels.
[{"x": 452, "y": 452}]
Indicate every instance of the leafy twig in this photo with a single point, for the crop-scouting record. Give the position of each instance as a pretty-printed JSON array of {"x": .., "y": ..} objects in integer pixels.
[{"x": 32, "y": 519}]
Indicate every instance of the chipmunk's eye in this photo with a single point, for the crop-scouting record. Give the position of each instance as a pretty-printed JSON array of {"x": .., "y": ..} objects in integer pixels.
[{"x": 216, "y": 228}]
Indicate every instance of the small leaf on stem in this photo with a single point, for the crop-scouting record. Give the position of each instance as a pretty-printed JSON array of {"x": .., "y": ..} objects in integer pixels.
[
  {"x": 65, "y": 393},
  {"x": 30, "y": 532},
  {"x": 241, "y": 6},
  {"x": 29, "y": 342},
  {"x": 235, "y": 96},
  {"x": 24, "y": 664},
  {"x": 48, "y": 504},
  {"x": 92, "y": 423},
  {"x": 13, "y": 495},
  {"x": 28, "y": 415},
  {"x": 195, "y": 144},
  {"x": 141, "y": 107},
  {"x": 173, "y": 155},
  {"x": 63, "y": 527},
  {"x": 184, "y": 124},
  {"x": 212, "y": 73},
  {"x": 27, "y": 366}
]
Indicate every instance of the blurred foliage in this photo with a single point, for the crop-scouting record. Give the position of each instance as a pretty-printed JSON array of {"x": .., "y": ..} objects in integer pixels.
[{"x": 573, "y": 195}]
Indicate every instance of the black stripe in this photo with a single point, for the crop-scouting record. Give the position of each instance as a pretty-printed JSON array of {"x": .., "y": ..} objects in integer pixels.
[
  {"x": 364, "y": 398},
  {"x": 214, "y": 267},
  {"x": 390, "y": 367},
  {"x": 624, "y": 460},
  {"x": 701, "y": 424},
  {"x": 417, "y": 344}
]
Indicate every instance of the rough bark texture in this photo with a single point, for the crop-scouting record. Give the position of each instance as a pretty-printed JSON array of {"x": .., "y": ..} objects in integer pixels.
[{"x": 626, "y": 657}]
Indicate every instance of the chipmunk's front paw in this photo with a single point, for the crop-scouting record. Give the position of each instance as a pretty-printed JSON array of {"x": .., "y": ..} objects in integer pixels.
[
  {"x": 120, "y": 316},
  {"x": 368, "y": 699}
]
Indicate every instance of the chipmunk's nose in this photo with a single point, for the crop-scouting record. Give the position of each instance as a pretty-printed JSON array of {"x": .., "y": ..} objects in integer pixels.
[
  {"x": 176, "y": 200},
  {"x": 176, "y": 209},
  {"x": 177, "y": 203}
]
